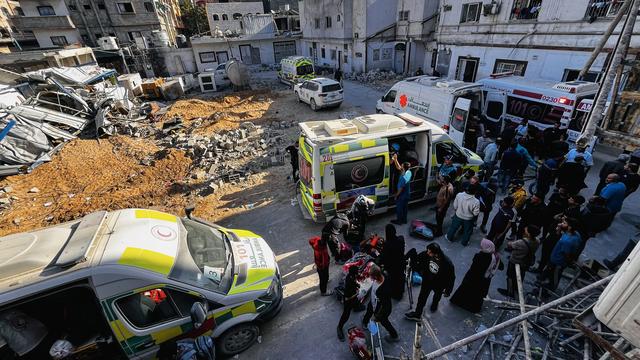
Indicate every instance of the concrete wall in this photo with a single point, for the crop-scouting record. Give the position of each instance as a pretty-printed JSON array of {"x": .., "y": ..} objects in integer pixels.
[
  {"x": 229, "y": 9},
  {"x": 30, "y": 8},
  {"x": 170, "y": 61},
  {"x": 310, "y": 11},
  {"x": 44, "y": 37}
]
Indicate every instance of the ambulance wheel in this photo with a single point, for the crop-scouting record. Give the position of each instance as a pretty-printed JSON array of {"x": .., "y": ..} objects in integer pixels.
[
  {"x": 314, "y": 107},
  {"x": 238, "y": 339},
  {"x": 298, "y": 96}
]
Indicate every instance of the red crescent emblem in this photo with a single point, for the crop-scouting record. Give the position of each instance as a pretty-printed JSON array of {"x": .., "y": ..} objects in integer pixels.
[{"x": 403, "y": 100}]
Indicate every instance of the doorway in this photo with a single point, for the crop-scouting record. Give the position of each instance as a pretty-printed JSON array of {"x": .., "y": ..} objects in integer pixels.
[
  {"x": 398, "y": 65},
  {"x": 467, "y": 68}
]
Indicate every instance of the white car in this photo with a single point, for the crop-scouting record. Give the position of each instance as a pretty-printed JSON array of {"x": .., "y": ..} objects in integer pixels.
[
  {"x": 220, "y": 76},
  {"x": 319, "y": 93}
]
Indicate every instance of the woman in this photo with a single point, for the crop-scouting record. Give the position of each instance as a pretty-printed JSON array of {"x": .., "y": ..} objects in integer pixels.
[
  {"x": 350, "y": 300},
  {"x": 475, "y": 285},
  {"x": 392, "y": 261}
]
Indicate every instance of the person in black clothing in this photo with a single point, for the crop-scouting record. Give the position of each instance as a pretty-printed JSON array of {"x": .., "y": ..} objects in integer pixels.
[
  {"x": 438, "y": 275},
  {"x": 532, "y": 213},
  {"x": 560, "y": 147},
  {"x": 487, "y": 196},
  {"x": 339, "y": 224},
  {"x": 392, "y": 261},
  {"x": 616, "y": 166},
  {"x": 502, "y": 221},
  {"x": 510, "y": 163},
  {"x": 574, "y": 207},
  {"x": 558, "y": 203},
  {"x": 350, "y": 299},
  {"x": 293, "y": 153},
  {"x": 572, "y": 174},
  {"x": 419, "y": 72},
  {"x": 631, "y": 178},
  {"x": 507, "y": 136},
  {"x": 337, "y": 76},
  {"x": 549, "y": 136},
  {"x": 380, "y": 305},
  {"x": 594, "y": 218},
  {"x": 546, "y": 176}
]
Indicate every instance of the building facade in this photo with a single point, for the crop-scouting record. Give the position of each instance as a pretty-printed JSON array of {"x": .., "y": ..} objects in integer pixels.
[
  {"x": 228, "y": 16},
  {"x": 548, "y": 39},
  {"x": 50, "y": 22}
]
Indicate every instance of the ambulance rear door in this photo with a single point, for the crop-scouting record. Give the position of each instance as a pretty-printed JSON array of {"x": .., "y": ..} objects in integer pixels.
[{"x": 459, "y": 117}]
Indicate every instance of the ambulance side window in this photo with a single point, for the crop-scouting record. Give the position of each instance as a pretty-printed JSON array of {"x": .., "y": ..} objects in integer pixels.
[
  {"x": 359, "y": 173},
  {"x": 390, "y": 96},
  {"x": 495, "y": 109},
  {"x": 155, "y": 306}
]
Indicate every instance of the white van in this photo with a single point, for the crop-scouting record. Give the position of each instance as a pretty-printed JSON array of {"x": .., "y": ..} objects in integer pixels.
[
  {"x": 342, "y": 159},
  {"x": 446, "y": 103}
]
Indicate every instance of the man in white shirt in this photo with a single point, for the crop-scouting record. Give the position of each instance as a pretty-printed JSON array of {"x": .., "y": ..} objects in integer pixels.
[{"x": 467, "y": 208}]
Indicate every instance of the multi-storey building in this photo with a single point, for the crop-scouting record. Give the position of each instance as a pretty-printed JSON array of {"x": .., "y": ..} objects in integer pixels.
[
  {"x": 49, "y": 21},
  {"x": 549, "y": 39},
  {"x": 228, "y": 16}
]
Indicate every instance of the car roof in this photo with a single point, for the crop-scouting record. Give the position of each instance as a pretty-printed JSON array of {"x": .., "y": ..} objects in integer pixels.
[{"x": 324, "y": 81}]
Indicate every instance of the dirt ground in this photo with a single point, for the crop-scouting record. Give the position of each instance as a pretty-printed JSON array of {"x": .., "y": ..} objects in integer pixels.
[{"x": 122, "y": 172}]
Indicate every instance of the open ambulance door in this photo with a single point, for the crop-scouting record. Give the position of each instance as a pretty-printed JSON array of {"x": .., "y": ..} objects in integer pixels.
[
  {"x": 493, "y": 110},
  {"x": 421, "y": 172},
  {"x": 459, "y": 118}
]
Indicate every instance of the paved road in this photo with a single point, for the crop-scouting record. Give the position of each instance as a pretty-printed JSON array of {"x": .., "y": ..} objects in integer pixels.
[{"x": 306, "y": 327}]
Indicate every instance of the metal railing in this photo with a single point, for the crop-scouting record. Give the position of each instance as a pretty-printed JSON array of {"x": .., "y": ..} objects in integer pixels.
[
  {"x": 525, "y": 9},
  {"x": 603, "y": 8}
]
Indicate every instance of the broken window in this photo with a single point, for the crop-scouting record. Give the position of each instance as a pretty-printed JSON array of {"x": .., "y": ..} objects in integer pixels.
[
  {"x": 225, "y": 17},
  {"x": 134, "y": 34},
  {"x": 101, "y": 6},
  {"x": 148, "y": 6},
  {"x": 403, "y": 15},
  {"x": 237, "y": 16},
  {"x": 516, "y": 67},
  {"x": 46, "y": 10},
  {"x": 470, "y": 12},
  {"x": 86, "y": 6},
  {"x": 59, "y": 40},
  {"x": 125, "y": 8},
  {"x": 328, "y": 21}
]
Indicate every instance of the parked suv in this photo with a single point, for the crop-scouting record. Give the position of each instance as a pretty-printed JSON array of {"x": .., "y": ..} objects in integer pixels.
[
  {"x": 122, "y": 284},
  {"x": 319, "y": 93}
]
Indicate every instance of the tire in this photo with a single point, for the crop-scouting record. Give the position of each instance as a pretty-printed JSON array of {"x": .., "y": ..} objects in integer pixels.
[
  {"x": 237, "y": 339},
  {"x": 298, "y": 96},
  {"x": 313, "y": 105}
]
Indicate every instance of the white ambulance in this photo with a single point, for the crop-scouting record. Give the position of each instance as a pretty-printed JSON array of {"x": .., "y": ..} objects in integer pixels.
[
  {"x": 451, "y": 104},
  {"x": 542, "y": 102}
]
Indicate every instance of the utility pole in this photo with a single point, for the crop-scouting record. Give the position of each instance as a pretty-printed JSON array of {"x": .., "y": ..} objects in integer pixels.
[{"x": 595, "y": 117}]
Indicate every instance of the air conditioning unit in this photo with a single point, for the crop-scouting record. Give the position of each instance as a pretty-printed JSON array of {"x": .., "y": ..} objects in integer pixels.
[{"x": 108, "y": 43}]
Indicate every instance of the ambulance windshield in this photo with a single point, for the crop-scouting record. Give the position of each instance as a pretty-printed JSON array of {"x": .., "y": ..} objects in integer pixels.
[{"x": 204, "y": 258}]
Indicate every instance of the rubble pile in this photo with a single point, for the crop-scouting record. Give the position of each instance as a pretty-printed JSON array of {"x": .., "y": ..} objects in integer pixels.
[{"x": 378, "y": 79}]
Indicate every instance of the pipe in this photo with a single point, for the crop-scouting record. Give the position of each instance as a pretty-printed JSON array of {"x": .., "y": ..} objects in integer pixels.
[
  {"x": 525, "y": 328},
  {"x": 603, "y": 41},
  {"x": 449, "y": 348},
  {"x": 417, "y": 342}
]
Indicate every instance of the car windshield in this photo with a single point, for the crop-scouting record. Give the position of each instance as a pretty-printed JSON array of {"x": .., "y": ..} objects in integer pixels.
[
  {"x": 332, "y": 87},
  {"x": 204, "y": 257},
  {"x": 305, "y": 69}
]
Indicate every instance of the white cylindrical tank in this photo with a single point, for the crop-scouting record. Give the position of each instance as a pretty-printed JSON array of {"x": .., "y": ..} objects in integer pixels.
[
  {"x": 238, "y": 73},
  {"x": 619, "y": 304}
]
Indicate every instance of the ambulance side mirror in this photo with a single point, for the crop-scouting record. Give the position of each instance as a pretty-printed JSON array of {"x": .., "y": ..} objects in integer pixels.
[{"x": 198, "y": 314}]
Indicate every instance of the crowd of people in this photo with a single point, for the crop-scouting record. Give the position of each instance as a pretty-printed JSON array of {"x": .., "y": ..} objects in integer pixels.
[{"x": 558, "y": 217}]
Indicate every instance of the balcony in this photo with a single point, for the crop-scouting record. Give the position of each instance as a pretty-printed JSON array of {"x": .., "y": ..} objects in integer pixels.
[
  {"x": 525, "y": 9},
  {"x": 42, "y": 22},
  {"x": 602, "y": 9}
]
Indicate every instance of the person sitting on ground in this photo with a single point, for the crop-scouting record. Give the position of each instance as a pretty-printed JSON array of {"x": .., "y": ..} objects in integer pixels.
[
  {"x": 523, "y": 253},
  {"x": 467, "y": 208},
  {"x": 438, "y": 275}
]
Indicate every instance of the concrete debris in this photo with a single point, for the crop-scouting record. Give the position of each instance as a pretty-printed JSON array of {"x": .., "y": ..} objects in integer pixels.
[
  {"x": 378, "y": 79},
  {"x": 34, "y": 190}
]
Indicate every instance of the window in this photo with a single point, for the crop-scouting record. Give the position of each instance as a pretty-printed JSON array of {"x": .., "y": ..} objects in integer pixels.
[
  {"x": 470, "y": 12},
  {"x": 72, "y": 7},
  {"x": 19, "y": 11},
  {"x": 125, "y": 8},
  {"x": 459, "y": 119},
  {"x": 434, "y": 58},
  {"x": 282, "y": 49},
  {"x": 346, "y": 46},
  {"x": 390, "y": 96},
  {"x": 134, "y": 34},
  {"x": 98, "y": 35},
  {"x": 494, "y": 109},
  {"x": 59, "y": 40},
  {"x": 332, "y": 53},
  {"x": 225, "y": 17},
  {"x": 155, "y": 306},
  {"x": 345, "y": 60},
  {"x": 327, "y": 21},
  {"x": 86, "y": 6},
  {"x": 376, "y": 54},
  {"x": 237, "y": 16},
  {"x": 572, "y": 74},
  {"x": 360, "y": 173},
  {"x": 101, "y": 6},
  {"x": 317, "y": 21},
  {"x": 403, "y": 15},
  {"x": 46, "y": 10},
  {"x": 467, "y": 69},
  {"x": 525, "y": 9},
  {"x": 207, "y": 57},
  {"x": 448, "y": 148},
  {"x": 304, "y": 69},
  {"x": 516, "y": 67},
  {"x": 330, "y": 88},
  {"x": 601, "y": 8},
  {"x": 148, "y": 6},
  {"x": 338, "y": 18},
  {"x": 241, "y": 25},
  {"x": 322, "y": 53},
  {"x": 85, "y": 39}
]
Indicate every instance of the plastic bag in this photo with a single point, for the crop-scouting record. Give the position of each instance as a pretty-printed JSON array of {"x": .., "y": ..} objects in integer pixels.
[{"x": 61, "y": 349}]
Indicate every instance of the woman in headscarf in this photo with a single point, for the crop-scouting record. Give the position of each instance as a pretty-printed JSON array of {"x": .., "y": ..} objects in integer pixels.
[
  {"x": 392, "y": 261},
  {"x": 476, "y": 282}
]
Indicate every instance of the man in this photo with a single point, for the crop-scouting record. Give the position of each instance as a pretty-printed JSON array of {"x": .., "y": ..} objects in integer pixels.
[
  {"x": 522, "y": 129},
  {"x": 558, "y": 203},
  {"x": 571, "y": 175},
  {"x": 631, "y": 178},
  {"x": 509, "y": 166},
  {"x": 616, "y": 166},
  {"x": 518, "y": 193},
  {"x": 564, "y": 253},
  {"x": 502, "y": 222},
  {"x": 487, "y": 197},
  {"x": 443, "y": 200},
  {"x": 321, "y": 260},
  {"x": 438, "y": 275},
  {"x": 361, "y": 208},
  {"x": 549, "y": 136},
  {"x": 490, "y": 159},
  {"x": 466, "y": 207},
  {"x": 419, "y": 72},
  {"x": 339, "y": 224},
  {"x": 293, "y": 154},
  {"x": 448, "y": 168},
  {"x": 337, "y": 76},
  {"x": 594, "y": 218},
  {"x": 580, "y": 150},
  {"x": 350, "y": 299},
  {"x": 482, "y": 142},
  {"x": 614, "y": 193},
  {"x": 527, "y": 160},
  {"x": 523, "y": 253},
  {"x": 532, "y": 213},
  {"x": 403, "y": 192},
  {"x": 380, "y": 305},
  {"x": 546, "y": 176},
  {"x": 392, "y": 261},
  {"x": 507, "y": 136}
]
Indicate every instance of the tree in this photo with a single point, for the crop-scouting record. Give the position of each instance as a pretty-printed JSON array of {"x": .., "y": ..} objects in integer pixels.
[{"x": 194, "y": 19}]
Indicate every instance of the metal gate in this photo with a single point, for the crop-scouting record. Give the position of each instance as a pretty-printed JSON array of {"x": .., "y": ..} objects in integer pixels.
[{"x": 282, "y": 49}]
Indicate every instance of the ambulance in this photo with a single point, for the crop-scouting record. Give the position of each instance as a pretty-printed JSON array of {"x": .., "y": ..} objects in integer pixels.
[
  {"x": 295, "y": 69},
  {"x": 450, "y": 104},
  {"x": 342, "y": 159},
  {"x": 123, "y": 284},
  {"x": 542, "y": 102}
]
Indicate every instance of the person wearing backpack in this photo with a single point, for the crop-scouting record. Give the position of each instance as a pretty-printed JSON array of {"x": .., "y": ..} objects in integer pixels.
[{"x": 523, "y": 253}]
